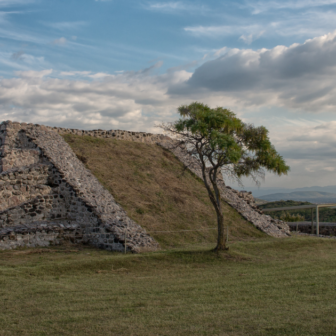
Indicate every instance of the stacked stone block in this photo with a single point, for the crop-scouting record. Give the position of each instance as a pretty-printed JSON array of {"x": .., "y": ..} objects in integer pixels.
[
  {"x": 23, "y": 184},
  {"x": 114, "y": 134},
  {"x": 40, "y": 234},
  {"x": 42, "y": 182}
]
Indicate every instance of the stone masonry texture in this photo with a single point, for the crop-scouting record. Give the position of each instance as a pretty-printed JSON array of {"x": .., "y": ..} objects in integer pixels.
[
  {"x": 47, "y": 195},
  {"x": 42, "y": 182}
]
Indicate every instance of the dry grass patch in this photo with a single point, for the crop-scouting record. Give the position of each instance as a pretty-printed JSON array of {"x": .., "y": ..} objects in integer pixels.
[{"x": 152, "y": 186}]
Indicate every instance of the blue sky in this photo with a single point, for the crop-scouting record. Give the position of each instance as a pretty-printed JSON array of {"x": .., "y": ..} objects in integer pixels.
[
  {"x": 109, "y": 36},
  {"x": 129, "y": 64}
]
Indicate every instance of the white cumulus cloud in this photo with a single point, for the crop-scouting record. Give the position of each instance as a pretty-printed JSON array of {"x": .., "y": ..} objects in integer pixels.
[
  {"x": 301, "y": 76},
  {"x": 299, "y": 79}
]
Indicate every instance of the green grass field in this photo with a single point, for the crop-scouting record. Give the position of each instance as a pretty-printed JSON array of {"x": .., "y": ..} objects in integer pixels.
[{"x": 261, "y": 287}]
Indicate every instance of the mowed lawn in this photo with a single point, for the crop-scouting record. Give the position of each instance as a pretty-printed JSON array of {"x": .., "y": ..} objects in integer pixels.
[{"x": 260, "y": 287}]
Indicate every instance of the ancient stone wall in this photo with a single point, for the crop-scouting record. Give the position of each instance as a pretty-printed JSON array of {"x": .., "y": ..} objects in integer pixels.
[
  {"x": 40, "y": 234},
  {"x": 56, "y": 186},
  {"x": 49, "y": 207},
  {"x": 16, "y": 149},
  {"x": 23, "y": 184},
  {"x": 19, "y": 158},
  {"x": 114, "y": 134}
]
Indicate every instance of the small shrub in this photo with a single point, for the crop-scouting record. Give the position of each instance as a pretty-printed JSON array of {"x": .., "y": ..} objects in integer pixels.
[
  {"x": 82, "y": 158},
  {"x": 286, "y": 217},
  {"x": 140, "y": 211}
]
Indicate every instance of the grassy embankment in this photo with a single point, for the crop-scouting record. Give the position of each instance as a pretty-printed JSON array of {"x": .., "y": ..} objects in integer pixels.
[
  {"x": 325, "y": 214},
  {"x": 156, "y": 192},
  {"x": 261, "y": 287},
  {"x": 264, "y": 286}
]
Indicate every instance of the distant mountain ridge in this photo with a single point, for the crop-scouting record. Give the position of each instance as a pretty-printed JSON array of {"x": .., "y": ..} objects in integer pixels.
[
  {"x": 260, "y": 192},
  {"x": 309, "y": 196}
]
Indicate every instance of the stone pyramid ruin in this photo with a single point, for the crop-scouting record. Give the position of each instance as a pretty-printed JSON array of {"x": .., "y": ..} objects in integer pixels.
[{"x": 47, "y": 195}]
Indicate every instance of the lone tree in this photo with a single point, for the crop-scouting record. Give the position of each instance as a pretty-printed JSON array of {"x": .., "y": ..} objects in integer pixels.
[{"x": 224, "y": 144}]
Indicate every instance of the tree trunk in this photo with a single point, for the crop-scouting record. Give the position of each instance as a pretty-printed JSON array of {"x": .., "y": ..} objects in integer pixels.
[{"x": 221, "y": 246}]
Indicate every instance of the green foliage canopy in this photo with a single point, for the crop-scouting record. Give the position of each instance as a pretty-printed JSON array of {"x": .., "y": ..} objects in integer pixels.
[
  {"x": 223, "y": 143},
  {"x": 224, "y": 139}
]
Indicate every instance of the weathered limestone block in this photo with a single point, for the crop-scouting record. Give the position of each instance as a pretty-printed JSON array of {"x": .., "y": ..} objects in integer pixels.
[
  {"x": 19, "y": 158},
  {"x": 115, "y": 134},
  {"x": 23, "y": 184},
  {"x": 39, "y": 234},
  {"x": 45, "y": 233}
]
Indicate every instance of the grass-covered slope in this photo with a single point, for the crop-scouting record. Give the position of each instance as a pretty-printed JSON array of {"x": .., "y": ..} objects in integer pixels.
[{"x": 155, "y": 190}]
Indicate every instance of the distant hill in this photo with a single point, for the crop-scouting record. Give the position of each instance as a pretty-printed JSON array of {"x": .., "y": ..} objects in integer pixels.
[
  {"x": 326, "y": 214},
  {"x": 330, "y": 189},
  {"x": 262, "y": 191},
  {"x": 282, "y": 204},
  {"x": 309, "y": 196},
  {"x": 259, "y": 201}
]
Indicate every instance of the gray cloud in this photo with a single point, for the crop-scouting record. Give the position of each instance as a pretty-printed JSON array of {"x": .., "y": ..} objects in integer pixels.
[
  {"x": 132, "y": 100},
  {"x": 309, "y": 150},
  {"x": 300, "y": 76}
]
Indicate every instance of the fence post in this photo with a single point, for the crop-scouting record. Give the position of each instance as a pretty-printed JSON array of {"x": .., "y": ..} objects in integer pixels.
[
  {"x": 317, "y": 221},
  {"x": 125, "y": 242},
  {"x": 312, "y": 221}
]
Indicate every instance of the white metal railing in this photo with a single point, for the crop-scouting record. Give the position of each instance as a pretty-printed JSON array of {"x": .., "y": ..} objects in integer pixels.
[{"x": 310, "y": 206}]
